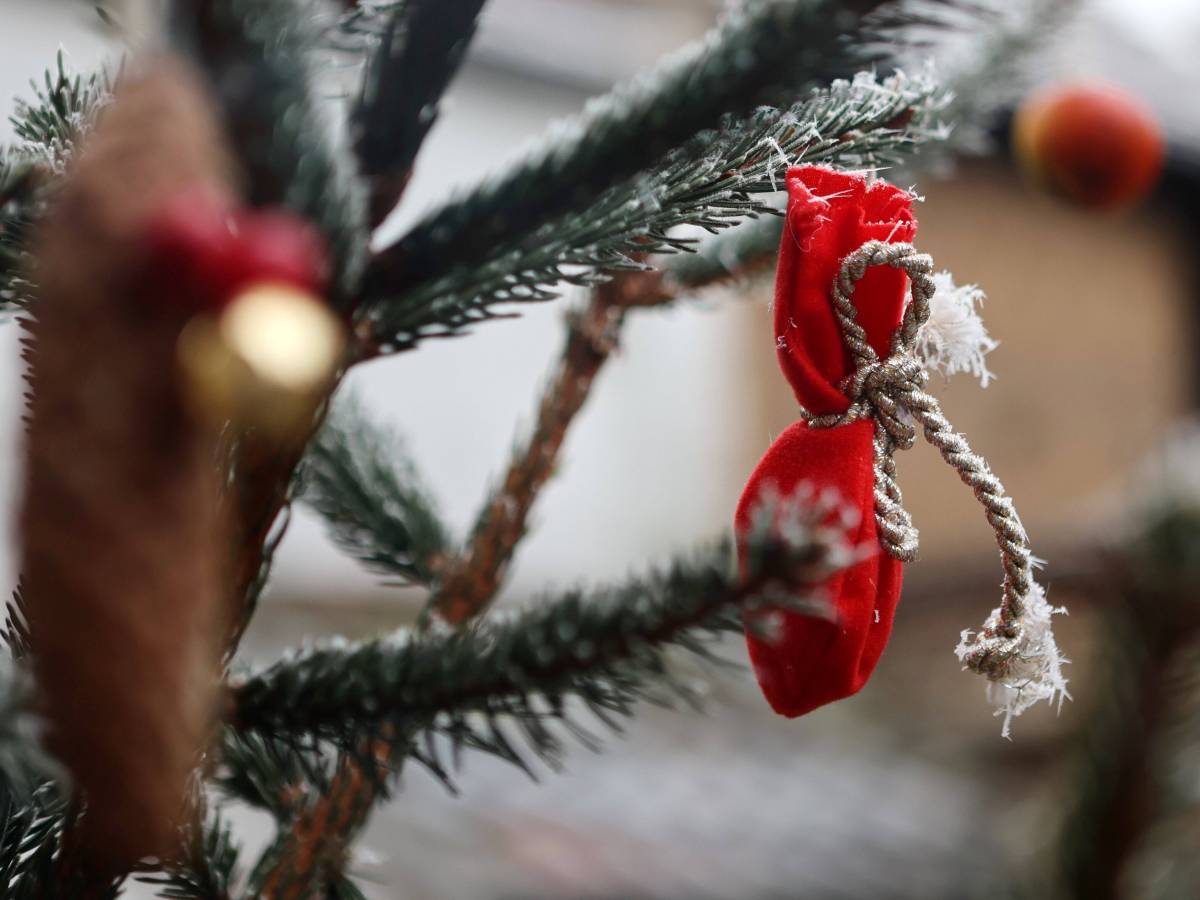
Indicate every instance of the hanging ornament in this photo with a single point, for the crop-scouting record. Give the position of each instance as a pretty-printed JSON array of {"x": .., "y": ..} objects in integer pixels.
[
  {"x": 1093, "y": 144},
  {"x": 265, "y": 362},
  {"x": 262, "y": 347},
  {"x": 124, "y": 541},
  {"x": 848, "y": 343}
]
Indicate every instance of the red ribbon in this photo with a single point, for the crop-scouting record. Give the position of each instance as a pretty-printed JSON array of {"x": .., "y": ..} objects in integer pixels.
[{"x": 830, "y": 214}]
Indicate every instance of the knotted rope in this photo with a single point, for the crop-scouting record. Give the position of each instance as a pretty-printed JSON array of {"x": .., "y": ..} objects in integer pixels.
[{"x": 892, "y": 393}]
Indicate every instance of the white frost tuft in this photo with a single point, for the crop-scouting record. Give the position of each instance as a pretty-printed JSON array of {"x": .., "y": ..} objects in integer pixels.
[
  {"x": 1036, "y": 673},
  {"x": 953, "y": 338}
]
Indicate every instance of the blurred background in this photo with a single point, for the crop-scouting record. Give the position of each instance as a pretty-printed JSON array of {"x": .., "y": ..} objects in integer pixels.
[{"x": 906, "y": 790}]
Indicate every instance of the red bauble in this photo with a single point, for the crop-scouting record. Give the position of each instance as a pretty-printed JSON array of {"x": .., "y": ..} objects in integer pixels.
[
  {"x": 258, "y": 344},
  {"x": 1093, "y": 144},
  {"x": 202, "y": 251},
  {"x": 277, "y": 246}
]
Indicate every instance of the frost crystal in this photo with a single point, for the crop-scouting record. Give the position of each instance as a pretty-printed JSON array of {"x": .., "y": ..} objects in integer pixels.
[
  {"x": 1036, "y": 672},
  {"x": 954, "y": 338}
]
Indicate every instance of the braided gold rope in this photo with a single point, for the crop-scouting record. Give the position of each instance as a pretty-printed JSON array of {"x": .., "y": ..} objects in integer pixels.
[{"x": 892, "y": 393}]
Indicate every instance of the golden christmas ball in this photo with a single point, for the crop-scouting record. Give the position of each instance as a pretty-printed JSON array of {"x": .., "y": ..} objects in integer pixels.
[{"x": 264, "y": 362}]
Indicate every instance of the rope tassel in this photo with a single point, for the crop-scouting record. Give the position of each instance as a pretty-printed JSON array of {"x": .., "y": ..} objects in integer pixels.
[{"x": 1015, "y": 649}]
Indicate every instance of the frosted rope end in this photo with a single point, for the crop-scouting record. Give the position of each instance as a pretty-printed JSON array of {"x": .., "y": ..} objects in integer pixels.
[{"x": 1025, "y": 673}]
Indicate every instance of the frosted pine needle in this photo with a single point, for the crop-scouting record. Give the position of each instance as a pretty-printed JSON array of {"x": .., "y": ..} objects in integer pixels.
[{"x": 954, "y": 338}]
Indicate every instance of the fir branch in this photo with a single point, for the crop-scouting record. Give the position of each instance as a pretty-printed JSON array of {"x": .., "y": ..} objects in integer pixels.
[
  {"x": 50, "y": 126},
  {"x": 19, "y": 205},
  {"x": 48, "y": 129},
  {"x": 342, "y": 888},
  {"x": 471, "y": 581},
  {"x": 24, "y": 762},
  {"x": 1150, "y": 644},
  {"x": 718, "y": 178},
  {"x": 606, "y": 650},
  {"x": 363, "y": 22},
  {"x": 271, "y": 774},
  {"x": 606, "y": 653},
  {"x": 419, "y": 52},
  {"x": 359, "y": 478},
  {"x": 985, "y": 74},
  {"x": 39, "y": 858},
  {"x": 263, "y": 60},
  {"x": 15, "y": 633},
  {"x": 738, "y": 253},
  {"x": 362, "y": 776},
  {"x": 31, "y": 834},
  {"x": 765, "y": 51}
]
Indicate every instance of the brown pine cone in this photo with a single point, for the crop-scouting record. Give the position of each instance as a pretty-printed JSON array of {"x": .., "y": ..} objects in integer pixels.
[{"x": 124, "y": 541}]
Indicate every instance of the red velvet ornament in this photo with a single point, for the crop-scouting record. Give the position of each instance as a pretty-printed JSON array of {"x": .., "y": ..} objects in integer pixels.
[
  {"x": 1093, "y": 144},
  {"x": 830, "y": 214},
  {"x": 205, "y": 251}
]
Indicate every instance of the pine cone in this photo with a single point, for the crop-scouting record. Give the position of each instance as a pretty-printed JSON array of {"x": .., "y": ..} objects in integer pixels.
[{"x": 125, "y": 545}]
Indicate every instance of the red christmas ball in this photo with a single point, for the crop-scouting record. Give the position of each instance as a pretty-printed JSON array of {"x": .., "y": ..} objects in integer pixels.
[
  {"x": 275, "y": 246},
  {"x": 1093, "y": 144},
  {"x": 186, "y": 241},
  {"x": 203, "y": 251}
]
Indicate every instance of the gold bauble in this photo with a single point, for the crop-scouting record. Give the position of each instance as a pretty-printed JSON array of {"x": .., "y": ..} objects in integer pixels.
[{"x": 264, "y": 362}]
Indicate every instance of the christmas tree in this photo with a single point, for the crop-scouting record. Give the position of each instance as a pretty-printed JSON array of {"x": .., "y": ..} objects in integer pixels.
[{"x": 187, "y": 241}]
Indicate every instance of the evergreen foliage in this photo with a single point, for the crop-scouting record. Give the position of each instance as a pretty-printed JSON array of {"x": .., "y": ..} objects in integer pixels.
[
  {"x": 716, "y": 179},
  {"x": 207, "y": 867},
  {"x": 1132, "y": 807},
  {"x": 605, "y": 649},
  {"x": 47, "y": 128},
  {"x": 24, "y": 763},
  {"x": 18, "y": 182},
  {"x": 420, "y": 49},
  {"x": 31, "y": 831},
  {"x": 606, "y": 193},
  {"x": 765, "y": 51},
  {"x": 264, "y": 60},
  {"x": 358, "y": 478},
  {"x": 265, "y": 772}
]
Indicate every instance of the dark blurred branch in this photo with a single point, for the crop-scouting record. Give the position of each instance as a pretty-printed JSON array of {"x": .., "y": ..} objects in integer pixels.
[
  {"x": 360, "y": 479},
  {"x": 1114, "y": 797},
  {"x": 263, "y": 61},
  {"x": 419, "y": 52},
  {"x": 1150, "y": 635}
]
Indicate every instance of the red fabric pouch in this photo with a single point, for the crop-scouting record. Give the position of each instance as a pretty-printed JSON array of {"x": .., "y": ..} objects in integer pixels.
[{"x": 830, "y": 214}]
